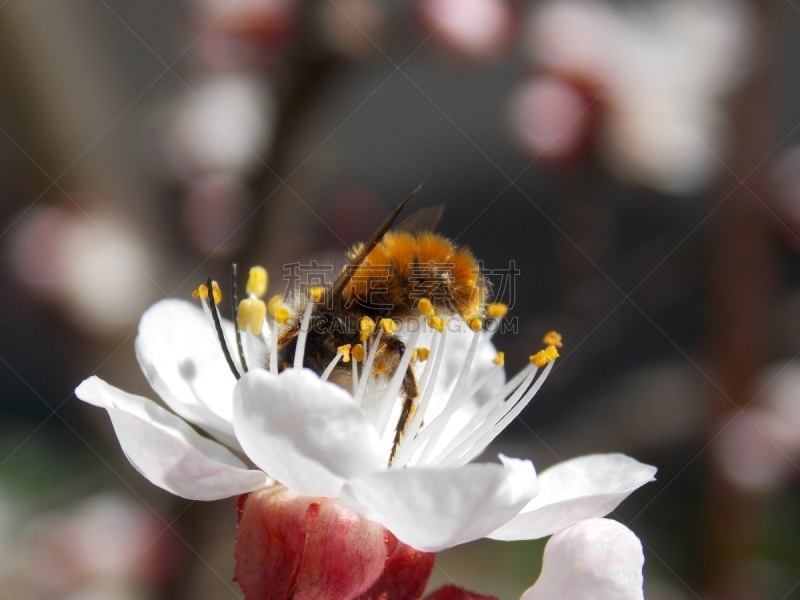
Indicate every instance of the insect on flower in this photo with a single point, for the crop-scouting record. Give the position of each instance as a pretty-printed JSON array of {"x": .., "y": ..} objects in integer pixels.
[{"x": 398, "y": 272}]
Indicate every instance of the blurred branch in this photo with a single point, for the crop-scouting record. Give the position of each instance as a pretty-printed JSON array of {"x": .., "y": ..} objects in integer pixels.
[{"x": 742, "y": 285}]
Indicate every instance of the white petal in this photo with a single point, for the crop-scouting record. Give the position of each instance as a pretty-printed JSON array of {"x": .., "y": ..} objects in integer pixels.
[
  {"x": 434, "y": 509},
  {"x": 596, "y": 559},
  {"x": 581, "y": 488},
  {"x": 166, "y": 450},
  {"x": 308, "y": 434},
  {"x": 180, "y": 355}
]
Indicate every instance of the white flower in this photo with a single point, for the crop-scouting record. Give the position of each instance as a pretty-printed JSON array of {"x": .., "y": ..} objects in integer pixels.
[
  {"x": 596, "y": 558},
  {"x": 319, "y": 439}
]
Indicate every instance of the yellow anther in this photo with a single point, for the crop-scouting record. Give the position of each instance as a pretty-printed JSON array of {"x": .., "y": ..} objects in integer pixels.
[
  {"x": 436, "y": 323},
  {"x": 426, "y": 307},
  {"x": 257, "y": 282},
  {"x": 475, "y": 324},
  {"x": 251, "y": 315},
  {"x": 345, "y": 352},
  {"x": 380, "y": 367},
  {"x": 365, "y": 327},
  {"x": 388, "y": 326},
  {"x": 544, "y": 357},
  {"x": 216, "y": 292},
  {"x": 497, "y": 310},
  {"x": 357, "y": 352},
  {"x": 283, "y": 315},
  {"x": 500, "y": 359},
  {"x": 316, "y": 293},
  {"x": 422, "y": 354},
  {"x": 275, "y": 303},
  {"x": 201, "y": 292},
  {"x": 553, "y": 339},
  {"x": 258, "y": 313},
  {"x": 243, "y": 313}
]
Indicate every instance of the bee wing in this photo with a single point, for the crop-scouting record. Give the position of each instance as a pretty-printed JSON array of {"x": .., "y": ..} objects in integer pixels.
[
  {"x": 376, "y": 237},
  {"x": 424, "y": 219}
]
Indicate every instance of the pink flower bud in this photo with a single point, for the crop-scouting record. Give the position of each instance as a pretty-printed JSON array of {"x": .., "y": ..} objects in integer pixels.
[{"x": 292, "y": 546}]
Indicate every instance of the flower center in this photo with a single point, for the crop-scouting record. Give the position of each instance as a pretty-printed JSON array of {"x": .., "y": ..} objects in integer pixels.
[{"x": 424, "y": 419}]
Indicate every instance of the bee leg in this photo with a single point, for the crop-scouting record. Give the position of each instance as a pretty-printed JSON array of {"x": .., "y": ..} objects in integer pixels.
[{"x": 411, "y": 391}]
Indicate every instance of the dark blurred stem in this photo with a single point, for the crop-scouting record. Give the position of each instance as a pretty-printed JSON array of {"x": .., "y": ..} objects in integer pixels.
[{"x": 742, "y": 283}]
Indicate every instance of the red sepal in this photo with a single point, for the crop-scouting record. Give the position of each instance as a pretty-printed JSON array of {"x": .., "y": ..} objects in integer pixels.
[{"x": 453, "y": 592}]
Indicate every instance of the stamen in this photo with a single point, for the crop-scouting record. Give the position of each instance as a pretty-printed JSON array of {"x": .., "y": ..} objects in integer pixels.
[
  {"x": 436, "y": 428},
  {"x": 436, "y": 323},
  {"x": 212, "y": 305},
  {"x": 500, "y": 359},
  {"x": 498, "y": 400},
  {"x": 345, "y": 350},
  {"x": 257, "y": 282},
  {"x": 474, "y": 389},
  {"x": 201, "y": 292},
  {"x": 388, "y": 326},
  {"x": 274, "y": 303},
  {"x": 425, "y": 306},
  {"x": 553, "y": 339},
  {"x": 408, "y": 445},
  {"x": 490, "y": 414},
  {"x": 357, "y": 352},
  {"x": 544, "y": 357},
  {"x": 316, "y": 293},
  {"x": 273, "y": 351},
  {"x": 354, "y": 366},
  {"x": 422, "y": 354},
  {"x": 496, "y": 310},
  {"x": 489, "y": 436},
  {"x": 392, "y": 390},
  {"x": 373, "y": 350},
  {"x": 475, "y": 324},
  {"x": 365, "y": 327},
  {"x": 282, "y": 315},
  {"x": 300, "y": 349},
  {"x": 234, "y": 310},
  {"x": 329, "y": 369}
]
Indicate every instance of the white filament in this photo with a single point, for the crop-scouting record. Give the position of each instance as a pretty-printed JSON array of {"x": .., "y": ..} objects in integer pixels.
[
  {"x": 373, "y": 350},
  {"x": 408, "y": 445},
  {"x": 354, "y": 371},
  {"x": 480, "y": 417},
  {"x": 329, "y": 369},
  {"x": 273, "y": 352},
  {"x": 478, "y": 440},
  {"x": 300, "y": 349},
  {"x": 436, "y": 428},
  {"x": 393, "y": 388}
]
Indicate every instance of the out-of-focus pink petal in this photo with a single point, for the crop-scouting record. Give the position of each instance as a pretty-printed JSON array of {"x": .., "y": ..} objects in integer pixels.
[
  {"x": 292, "y": 546},
  {"x": 596, "y": 558},
  {"x": 550, "y": 117},
  {"x": 481, "y": 29}
]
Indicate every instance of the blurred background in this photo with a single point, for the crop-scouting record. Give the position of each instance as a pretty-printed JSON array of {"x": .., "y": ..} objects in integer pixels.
[{"x": 637, "y": 160}]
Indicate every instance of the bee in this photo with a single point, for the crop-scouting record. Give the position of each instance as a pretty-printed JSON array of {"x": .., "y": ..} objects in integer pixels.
[{"x": 387, "y": 277}]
